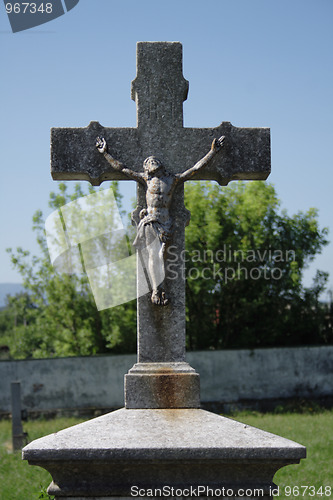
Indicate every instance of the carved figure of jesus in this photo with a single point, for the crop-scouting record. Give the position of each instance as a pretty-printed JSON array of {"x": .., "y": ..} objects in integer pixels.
[{"x": 155, "y": 220}]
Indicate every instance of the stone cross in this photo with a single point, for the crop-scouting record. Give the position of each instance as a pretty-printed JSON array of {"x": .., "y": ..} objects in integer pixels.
[
  {"x": 19, "y": 438},
  {"x": 148, "y": 444},
  {"x": 161, "y": 378}
]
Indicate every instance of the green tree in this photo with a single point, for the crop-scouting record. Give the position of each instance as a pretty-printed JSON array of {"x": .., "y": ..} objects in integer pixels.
[
  {"x": 6, "y": 322},
  {"x": 245, "y": 260},
  {"x": 244, "y": 264},
  {"x": 57, "y": 315}
]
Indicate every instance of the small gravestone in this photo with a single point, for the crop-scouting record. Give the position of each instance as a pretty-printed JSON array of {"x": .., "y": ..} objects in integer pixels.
[
  {"x": 19, "y": 437},
  {"x": 161, "y": 437}
]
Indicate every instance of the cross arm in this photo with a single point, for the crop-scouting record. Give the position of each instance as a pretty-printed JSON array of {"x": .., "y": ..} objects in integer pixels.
[
  {"x": 245, "y": 154},
  {"x": 215, "y": 148},
  {"x": 102, "y": 147},
  {"x": 74, "y": 155}
]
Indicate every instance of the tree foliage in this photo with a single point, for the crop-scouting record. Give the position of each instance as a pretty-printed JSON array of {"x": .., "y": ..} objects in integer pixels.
[
  {"x": 57, "y": 315},
  {"x": 245, "y": 262}
]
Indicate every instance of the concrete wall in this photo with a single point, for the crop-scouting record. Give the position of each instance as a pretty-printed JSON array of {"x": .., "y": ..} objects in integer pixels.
[{"x": 226, "y": 376}]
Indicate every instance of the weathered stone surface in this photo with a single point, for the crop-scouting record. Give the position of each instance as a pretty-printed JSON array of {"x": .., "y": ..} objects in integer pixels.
[
  {"x": 159, "y": 91},
  {"x": 162, "y": 385},
  {"x": 152, "y": 448},
  {"x": 247, "y": 152},
  {"x": 161, "y": 331},
  {"x": 19, "y": 438}
]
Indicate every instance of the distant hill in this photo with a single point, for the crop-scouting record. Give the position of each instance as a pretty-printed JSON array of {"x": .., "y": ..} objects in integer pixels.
[{"x": 9, "y": 289}]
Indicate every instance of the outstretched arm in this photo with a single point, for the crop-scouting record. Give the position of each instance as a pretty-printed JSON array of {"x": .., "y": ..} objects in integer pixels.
[
  {"x": 217, "y": 145},
  {"x": 102, "y": 147}
]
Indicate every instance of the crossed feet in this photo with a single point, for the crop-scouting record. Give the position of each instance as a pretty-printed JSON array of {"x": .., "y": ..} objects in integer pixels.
[{"x": 159, "y": 298}]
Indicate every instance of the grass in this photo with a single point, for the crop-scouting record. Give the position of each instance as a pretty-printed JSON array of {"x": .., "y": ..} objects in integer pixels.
[
  {"x": 313, "y": 430},
  {"x": 19, "y": 481}
]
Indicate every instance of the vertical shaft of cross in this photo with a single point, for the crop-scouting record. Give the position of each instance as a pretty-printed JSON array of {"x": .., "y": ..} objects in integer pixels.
[
  {"x": 159, "y": 88},
  {"x": 162, "y": 378},
  {"x": 161, "y": 330}
]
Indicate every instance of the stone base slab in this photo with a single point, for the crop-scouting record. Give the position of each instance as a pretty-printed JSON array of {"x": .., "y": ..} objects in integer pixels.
[
  {"x": 180, "y": 448},
  {"x": 162, "y": 385}
]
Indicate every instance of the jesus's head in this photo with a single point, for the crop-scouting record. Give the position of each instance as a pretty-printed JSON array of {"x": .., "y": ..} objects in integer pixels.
[{"x": 152, "y": 165}]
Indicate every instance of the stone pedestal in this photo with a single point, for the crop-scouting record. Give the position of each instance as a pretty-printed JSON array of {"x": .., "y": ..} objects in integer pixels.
[
  {"x": 162, "y": 385},
  {"x": 128, "y": 452}
]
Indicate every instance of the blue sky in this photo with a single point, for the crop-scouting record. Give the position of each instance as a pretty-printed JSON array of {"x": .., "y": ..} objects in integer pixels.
[{"x": 253, "y": 63}]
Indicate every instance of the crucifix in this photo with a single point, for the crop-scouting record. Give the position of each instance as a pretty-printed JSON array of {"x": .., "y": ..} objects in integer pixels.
[
  {"x": 161, "y": 437},
  {"x": 160, "y": 154},
  {"x": 155, "y": 225}
]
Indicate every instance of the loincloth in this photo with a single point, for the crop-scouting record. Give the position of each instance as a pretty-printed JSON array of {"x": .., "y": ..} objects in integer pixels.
[{"x": 150, "y": 228}]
